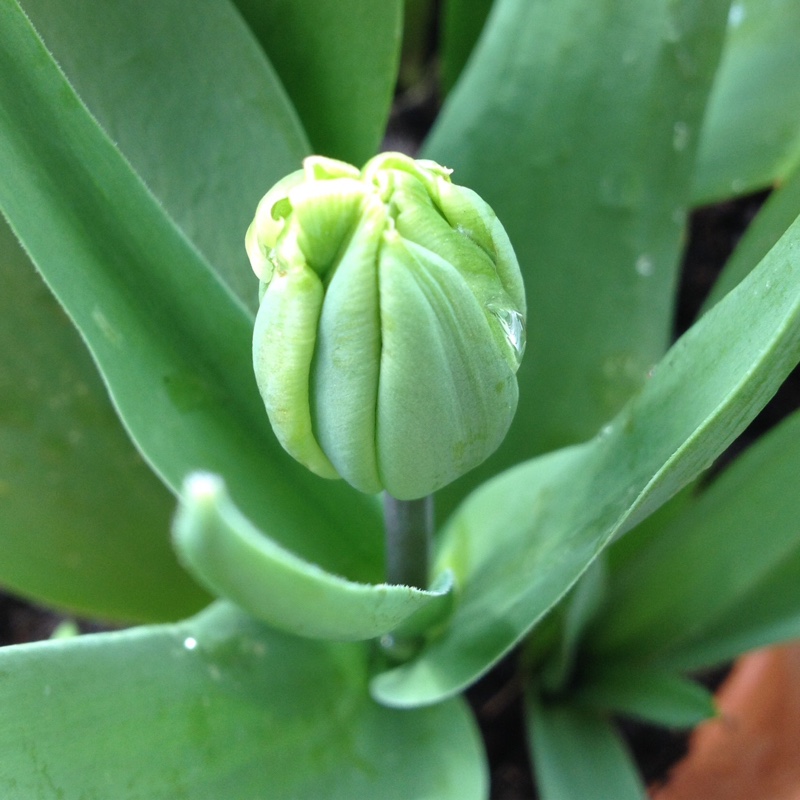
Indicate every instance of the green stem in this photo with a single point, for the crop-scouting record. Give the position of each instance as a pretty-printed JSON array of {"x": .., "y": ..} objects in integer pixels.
[{"x": 409, "y": 530}]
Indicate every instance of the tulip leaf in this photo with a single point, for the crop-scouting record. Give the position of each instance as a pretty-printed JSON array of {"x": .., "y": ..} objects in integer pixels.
[
  {"x": 650, "y": 695},
  {"x": 172, "y": 343},
  {"x": 578, "y": 122},
  {"x": 220, "y": 706},
  {"x": 751, "y": 133},
  {"x": 577, "y": 612},
  {"x": 191, "y": 102},
  {"x": 83, "y": 521},
  {"x": 418, "y": 21},
  {"x": 518, "y": 543},
  {"x": 577, "y": 755},
  {"x": 772, "y": 220},
  {"x": 462, "y": 24},
  {"x": 339, "y": 63},
  {"x": 699, "y": 603},
  {"x": 233, "y": 559}
]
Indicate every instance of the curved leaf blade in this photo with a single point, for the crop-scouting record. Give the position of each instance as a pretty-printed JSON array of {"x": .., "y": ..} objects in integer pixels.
[
  {"x": 655, "y": 696},
  {"x": 518, "y": 543},
  {"x": 776, "y": 215},
  {"x": 220, "y": 706},
  {"x": 462, "y": 24},
  {"x": 191, "y": 102},
  {"x": 696, "y": 602},
  {"x": 577, "y": 754},
  {"x": 339, "y": 63},
  {"x": 751, "y": 134},
  {"x": 69, "y": 535},
  {"x": 235, "y": 560},
  {"x": 173, "y": 345},
  {"x": 577, "y": 122}
]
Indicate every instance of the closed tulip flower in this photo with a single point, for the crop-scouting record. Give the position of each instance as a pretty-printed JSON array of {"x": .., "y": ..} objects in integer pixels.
[{"x": 391, "y": 322}]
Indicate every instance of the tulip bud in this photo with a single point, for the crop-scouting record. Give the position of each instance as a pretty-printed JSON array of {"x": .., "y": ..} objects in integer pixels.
[{"x": 391, "y": 323}]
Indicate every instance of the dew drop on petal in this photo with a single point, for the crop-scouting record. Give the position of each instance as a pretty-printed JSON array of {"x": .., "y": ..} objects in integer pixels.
[{"x": 513, "y": 326}]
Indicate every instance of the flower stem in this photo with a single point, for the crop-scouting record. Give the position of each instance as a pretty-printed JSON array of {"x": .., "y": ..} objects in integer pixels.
[{"x": 409, "y": 530}]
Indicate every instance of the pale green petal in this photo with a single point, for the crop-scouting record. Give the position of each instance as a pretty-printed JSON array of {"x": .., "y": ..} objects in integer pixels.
[
  {"x": 447, "y": 395},
  {"x": 283, "y": 345},
  {"x": 346, "y": 367}
]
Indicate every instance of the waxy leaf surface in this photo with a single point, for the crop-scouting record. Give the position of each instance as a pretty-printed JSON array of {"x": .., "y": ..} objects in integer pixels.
[
  {"x": 775, "y": 216},
  {"x": 338, "y": 61},
  {"x": 235, "y": 560},
  {"x": 462, "y": 24},
  {"x": 722, "y": 576},
  {"x": 220, "y": 707},
  {"x": 751, "y": 132},
  {"x": 191, "y": 102},
  {"x": 577, "y": 754},
  {"x": 578, "y": 123},
  {"x": 655, "y": 696},
  {"x": 83, "y": 521}
]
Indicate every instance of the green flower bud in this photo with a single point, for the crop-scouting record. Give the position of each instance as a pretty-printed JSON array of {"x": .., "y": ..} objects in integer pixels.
[{"x": 391, "y": 323}]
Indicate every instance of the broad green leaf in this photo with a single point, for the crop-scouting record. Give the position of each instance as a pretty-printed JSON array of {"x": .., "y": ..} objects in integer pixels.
[
  {"x": 83, "y": 521},
  {"x": 518, "y": 543},
  {"x": 418, "y": 22},
  {"x": 579, "y": 609},
  {"x": 577, "y": 122},
  {"x": 173, "y": 345},
  {"x": 655, "y": 696},
  {"x": 191, "y": 102},
  {"x": 577, "y": 755},
  {"x": 220, "y": 707},
  {"x": 235, "y": 560},
  {"x": 338, "y": 61},
  {"x": 751, "y": 134},
  {"x": 780, "y": 210},
  {"x": 723, "y": 576},
  {"x": 462, "y": 23},
  {"x": 768, "y": 614}
]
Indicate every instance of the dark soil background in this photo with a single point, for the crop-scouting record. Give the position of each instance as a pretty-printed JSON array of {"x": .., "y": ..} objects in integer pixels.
[{"x": 496, "y": 700}]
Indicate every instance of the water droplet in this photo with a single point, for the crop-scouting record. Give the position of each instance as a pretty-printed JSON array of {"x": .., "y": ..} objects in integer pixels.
[
  {"x": 736, "y": 15},
  {"x": 630, "y": 57},
  {"x": 680, "y": 135},
  {"x": 621, "y": 191},
  {"x": 679, "y": 215},
  {"x": 513, "y": 325},
  {"x": 214, "y": 672},
  {"x": 190, "y": 643},
  {"x": 106, "y": 328},
  {"x": 644, "y": 265},
  {"x": 737, "y": 185}
]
